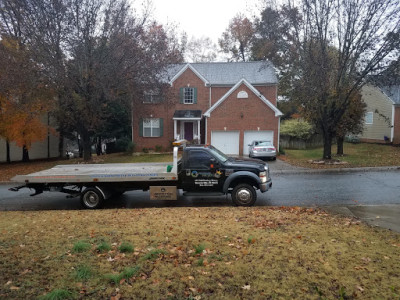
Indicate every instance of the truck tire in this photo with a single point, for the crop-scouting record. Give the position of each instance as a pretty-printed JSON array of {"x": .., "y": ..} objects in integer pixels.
[
  {"x": 244, "y": 195},
  {"x": 92, "y": 198}
]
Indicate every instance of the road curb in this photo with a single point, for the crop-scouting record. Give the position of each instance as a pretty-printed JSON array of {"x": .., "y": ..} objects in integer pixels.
[{"x": 338, "y": 170}]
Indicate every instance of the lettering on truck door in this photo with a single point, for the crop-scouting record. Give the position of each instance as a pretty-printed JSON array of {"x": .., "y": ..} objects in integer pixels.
[{"x": 202, "y": 172}]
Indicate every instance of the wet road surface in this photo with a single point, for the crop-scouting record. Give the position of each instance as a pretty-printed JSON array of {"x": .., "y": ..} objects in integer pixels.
[{"x": 304, "y": 189}]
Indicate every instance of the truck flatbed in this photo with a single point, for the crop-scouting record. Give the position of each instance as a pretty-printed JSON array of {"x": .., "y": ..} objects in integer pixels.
[{"x": 82, "y": 173}]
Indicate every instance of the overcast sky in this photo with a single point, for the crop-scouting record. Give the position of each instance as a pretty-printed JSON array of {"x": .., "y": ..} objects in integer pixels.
[{"x": 201, "y": 18}]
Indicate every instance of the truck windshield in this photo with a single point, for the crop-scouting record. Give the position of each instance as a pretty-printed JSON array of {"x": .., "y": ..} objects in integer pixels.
[{"x": 218, "y": 154}]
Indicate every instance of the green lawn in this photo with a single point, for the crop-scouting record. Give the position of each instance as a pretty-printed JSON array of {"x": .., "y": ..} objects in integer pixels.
[{"x": 356, "y": 155}]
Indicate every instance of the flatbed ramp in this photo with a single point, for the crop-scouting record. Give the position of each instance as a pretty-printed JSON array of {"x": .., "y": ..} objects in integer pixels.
[{"x": 101, "y": 173}]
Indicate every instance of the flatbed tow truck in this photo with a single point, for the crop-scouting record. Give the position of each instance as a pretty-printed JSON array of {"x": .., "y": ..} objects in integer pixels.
[{"x": 202, "y": 171}]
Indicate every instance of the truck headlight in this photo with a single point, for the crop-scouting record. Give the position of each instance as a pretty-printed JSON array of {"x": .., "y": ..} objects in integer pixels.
[{"x": 263, "y": 177}]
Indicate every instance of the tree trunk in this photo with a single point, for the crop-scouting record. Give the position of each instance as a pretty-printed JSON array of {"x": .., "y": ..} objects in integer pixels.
[
  {"x": 340, "y": 141},
  {"x": 61, "y": 145},
  {"x": 25, "y": 154},
  {"x": 87, "y": 147},
  {"x": 327, "y": 145},
  {"x": 8, "y": 151}
]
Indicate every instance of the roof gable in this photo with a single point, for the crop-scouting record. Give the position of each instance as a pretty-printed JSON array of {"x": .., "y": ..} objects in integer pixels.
[
  {"x": 182, "y": 70},
  {"x": 278, "y": 113}
]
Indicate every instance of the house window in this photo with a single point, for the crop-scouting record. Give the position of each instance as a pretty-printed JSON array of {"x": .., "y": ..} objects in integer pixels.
[
  {"x": 152, "y": 127},
  {"x": 188, "y": 95},
  {"x": 369, "y": 118}
]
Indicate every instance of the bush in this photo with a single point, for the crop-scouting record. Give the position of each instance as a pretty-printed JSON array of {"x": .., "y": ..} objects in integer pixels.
[
  {"x": 297, "y": 128},
  {"x": 124, "y": 144}
]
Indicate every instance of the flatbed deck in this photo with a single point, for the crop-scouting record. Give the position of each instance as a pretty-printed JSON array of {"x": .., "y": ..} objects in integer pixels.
[{"x": 81, "y": 173}]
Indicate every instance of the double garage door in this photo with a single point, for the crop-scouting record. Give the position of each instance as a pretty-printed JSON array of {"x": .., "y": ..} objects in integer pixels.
[{"x": 228, "y": 141}]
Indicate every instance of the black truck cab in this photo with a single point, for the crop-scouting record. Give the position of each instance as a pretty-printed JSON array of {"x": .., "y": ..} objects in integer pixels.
[{"x": 205, "y": 169}]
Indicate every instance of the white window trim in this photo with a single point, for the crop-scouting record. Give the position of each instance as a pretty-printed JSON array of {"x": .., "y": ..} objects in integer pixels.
[
  {"x": 151, "y": 127},
  {"x": 184, "y": 95},
  {"x": 370, "y": 115}
]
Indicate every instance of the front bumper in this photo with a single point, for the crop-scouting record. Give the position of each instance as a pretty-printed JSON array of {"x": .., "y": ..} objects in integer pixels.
[{"x": 265, "y": 186}]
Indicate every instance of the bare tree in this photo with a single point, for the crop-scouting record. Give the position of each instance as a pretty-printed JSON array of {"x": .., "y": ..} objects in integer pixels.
[
  {"x": 343, "y": 41},
  {"x": 201, "y": 50}
]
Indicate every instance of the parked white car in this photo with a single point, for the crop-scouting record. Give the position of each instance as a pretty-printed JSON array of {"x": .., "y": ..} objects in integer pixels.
[{"x": 260, "y": 149}]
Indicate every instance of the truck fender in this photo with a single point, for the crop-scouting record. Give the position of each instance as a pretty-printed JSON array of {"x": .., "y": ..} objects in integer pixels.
[{"x": 237, "y": 175}]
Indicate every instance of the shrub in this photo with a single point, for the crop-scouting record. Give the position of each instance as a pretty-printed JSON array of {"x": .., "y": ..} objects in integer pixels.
[
  {"x": 124, "y": 144},
  {"x": 297, "y": 128},
  {"x": 158, "y": 148}
]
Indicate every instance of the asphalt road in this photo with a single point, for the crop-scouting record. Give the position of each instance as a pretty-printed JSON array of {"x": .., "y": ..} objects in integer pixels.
[{"x": 303, "y": 189}]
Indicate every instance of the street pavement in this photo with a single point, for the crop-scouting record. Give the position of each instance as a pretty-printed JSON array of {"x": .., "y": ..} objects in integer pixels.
[{"x": 385, "y": 216}]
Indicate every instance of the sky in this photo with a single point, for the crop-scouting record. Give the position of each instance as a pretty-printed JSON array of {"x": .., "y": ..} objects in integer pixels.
[{"x": 202, "y": 17}]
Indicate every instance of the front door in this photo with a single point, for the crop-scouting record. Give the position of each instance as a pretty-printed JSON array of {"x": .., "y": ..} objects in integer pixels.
[{"x": 188, "y": 127}]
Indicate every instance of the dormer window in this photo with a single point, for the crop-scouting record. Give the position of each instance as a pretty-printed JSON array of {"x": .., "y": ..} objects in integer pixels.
[{"x": 188, "y": 95}]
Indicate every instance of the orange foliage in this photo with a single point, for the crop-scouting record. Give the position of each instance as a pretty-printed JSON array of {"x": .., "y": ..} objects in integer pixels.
[{"x": 24, "y": 96}]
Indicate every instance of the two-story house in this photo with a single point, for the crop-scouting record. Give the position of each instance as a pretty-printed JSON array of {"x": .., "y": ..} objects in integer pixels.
[{"x": 227, "y": 105}]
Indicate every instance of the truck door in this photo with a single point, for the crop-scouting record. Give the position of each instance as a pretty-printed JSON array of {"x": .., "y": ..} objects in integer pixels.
[{"x": 201, "y": 172}]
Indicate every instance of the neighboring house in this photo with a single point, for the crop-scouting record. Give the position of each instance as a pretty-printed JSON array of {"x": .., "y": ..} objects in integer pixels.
[
  {"x": 382, "y": 119},
  {"x": 224, "y": 104},
  {"x": 38, "y": 150}
]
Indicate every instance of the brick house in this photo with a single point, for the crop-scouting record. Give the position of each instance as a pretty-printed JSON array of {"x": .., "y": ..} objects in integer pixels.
[{"x": 224, "y": 104}]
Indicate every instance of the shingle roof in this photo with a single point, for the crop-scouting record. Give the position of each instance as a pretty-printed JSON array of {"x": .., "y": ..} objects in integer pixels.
[
  {"x": 219, "y": 73},
  {"x": 393, "y": 92}
]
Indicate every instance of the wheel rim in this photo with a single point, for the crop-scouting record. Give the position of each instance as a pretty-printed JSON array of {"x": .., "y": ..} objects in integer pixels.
[
  {"x": 91, "y": 199},
  {"x": 244, "y": 196}
]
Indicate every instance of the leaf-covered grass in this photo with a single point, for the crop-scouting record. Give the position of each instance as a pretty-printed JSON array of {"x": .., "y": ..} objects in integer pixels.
[
  {"x": 247, "y": 253},
  {"x": 356, "y": 155},
  {"x": 19, "y": 168}
]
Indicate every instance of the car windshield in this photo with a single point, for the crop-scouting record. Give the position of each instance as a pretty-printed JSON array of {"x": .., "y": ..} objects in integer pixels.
[
  {"x": 218, "y": 154},
  {"x": 263, "y": 143}
]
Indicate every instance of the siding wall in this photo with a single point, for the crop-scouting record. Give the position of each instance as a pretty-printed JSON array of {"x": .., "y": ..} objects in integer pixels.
[{"x": 377, "y": 101}]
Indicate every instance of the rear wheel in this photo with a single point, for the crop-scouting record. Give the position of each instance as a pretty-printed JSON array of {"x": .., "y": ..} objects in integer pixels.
[
  {"x": 92, "y": 198},
  {"x": 244, "y": 195}
]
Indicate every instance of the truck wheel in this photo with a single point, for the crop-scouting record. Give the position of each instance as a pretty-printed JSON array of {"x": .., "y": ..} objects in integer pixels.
[
  {"x": 92, "y": 198},
  {"x": 244, "y": 195}
]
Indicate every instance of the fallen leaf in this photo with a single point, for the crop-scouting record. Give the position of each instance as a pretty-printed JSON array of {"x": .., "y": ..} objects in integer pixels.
[{"x": 246, "y": 287}]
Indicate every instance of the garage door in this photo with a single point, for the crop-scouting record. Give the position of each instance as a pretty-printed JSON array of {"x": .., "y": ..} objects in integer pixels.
[
  {"x": 250, "y": 136},
  {"x": 226, "y": 141}
]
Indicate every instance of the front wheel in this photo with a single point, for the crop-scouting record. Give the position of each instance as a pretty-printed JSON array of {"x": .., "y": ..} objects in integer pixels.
[
  {"x": 92, "y": 198},
  {"x": 244, "y": 195}
]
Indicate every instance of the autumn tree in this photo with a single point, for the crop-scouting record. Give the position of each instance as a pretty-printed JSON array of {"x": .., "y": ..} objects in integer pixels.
[
  {"x": 200, "y": 50},
  {"x": 24, "y": 97},
  {"x": 236, "y": 40},
  {"x": 351, "y": 121},
  {"x": 362, "y": 34},
  {"x": 276, "y": 38}
]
